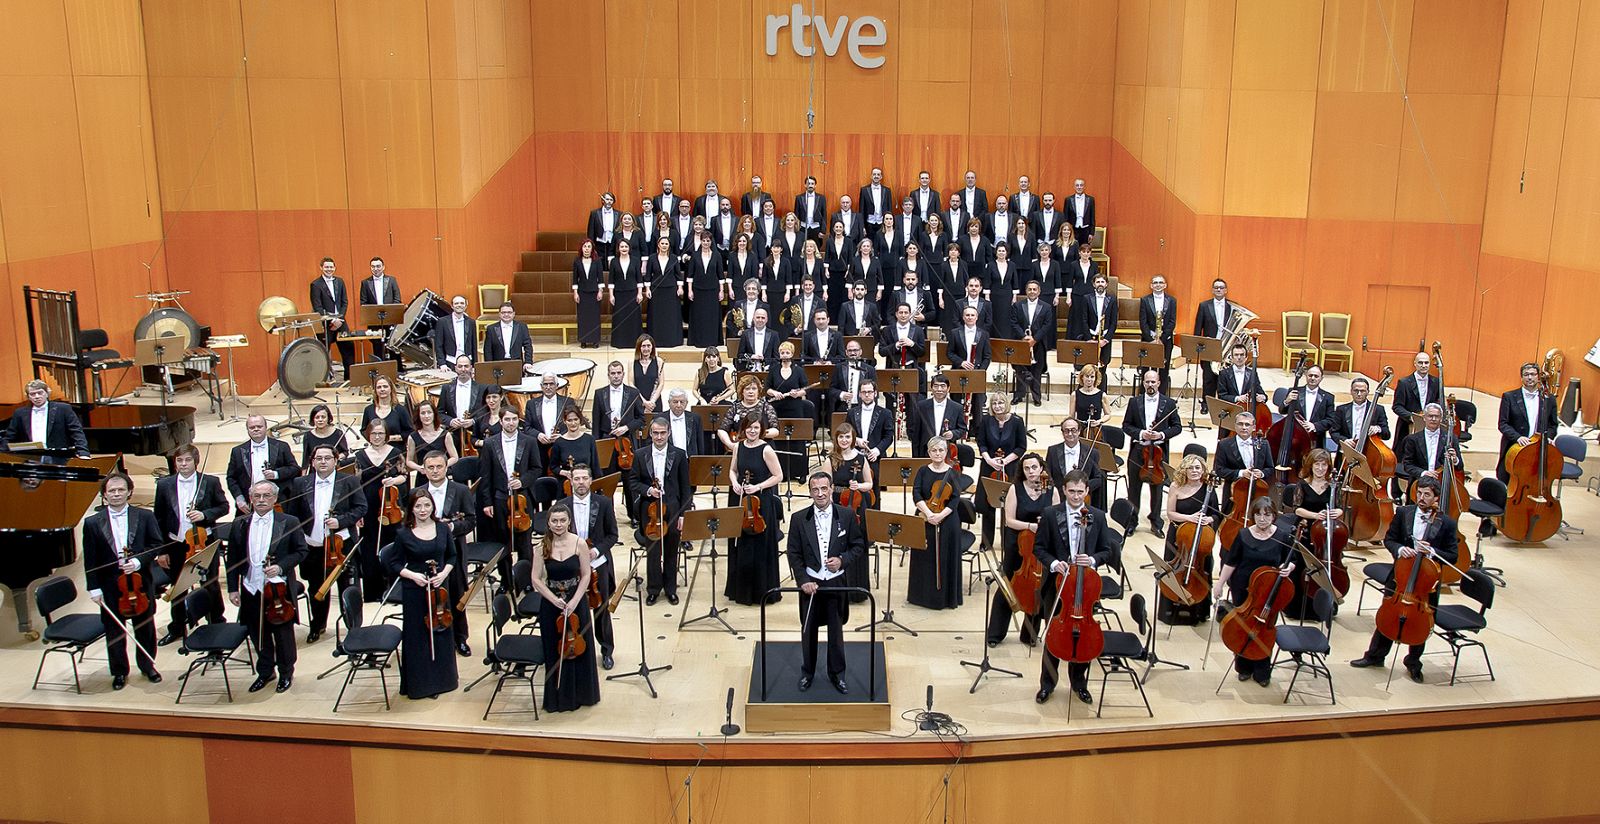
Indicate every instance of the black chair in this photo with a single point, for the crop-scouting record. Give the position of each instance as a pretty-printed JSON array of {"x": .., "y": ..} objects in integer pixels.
[
  {"x": 93, "y": 356},
  {"x": 1112, "y": 588},
  {"x": 1574, "y": 451},
  {"x": 71, "y": 634},
  {"x": 1490, "y": 502},
  {"x": 391, "y": 595},
  {"x": 1198, "y": 450},
  {"x": 1122, "y": 515},
  {"x": 217, "y": 644},
  {"x": 1452, "y": 622},
  {"x": 1122, "y": 647},
  {"x": 514, "y": 656},
  {"x": 526, "y": 599},
  {"x": 1379, "y": 577},
  {"x": 1467, "y": 413},
  {"x": 1306, "y": 646},
  {"x": 364, "y": 648}
]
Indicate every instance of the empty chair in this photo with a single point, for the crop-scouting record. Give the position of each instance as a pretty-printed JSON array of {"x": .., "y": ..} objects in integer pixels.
[
  {"x": 1573, "y": 451},
  {"x": 516, "y": 656},
  {"x": 216, "y": 643},
  {"x": 1306, "y": 646},
  {"x": 71, "y": 634},
  {"x": 94, "y": 356},
  {"x": 1489, "y": 503},
  {"x": 1296, "y": 337},
  {"x": 1122, "y": 647},
  {"x": 1335, "y": 339},
  {"x": 1453, "y": 622},
  {"x": 1380, "y": 577},
  {"x": 365, "y": 648}
]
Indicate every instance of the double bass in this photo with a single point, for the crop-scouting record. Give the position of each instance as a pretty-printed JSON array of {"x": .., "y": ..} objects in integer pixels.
[
  {"x": 1289, "y": 440},
  {"x": 1073, "y": 634},
  {"x": 1533, "y": 512},
  {"x": 1368, "y": 512}
]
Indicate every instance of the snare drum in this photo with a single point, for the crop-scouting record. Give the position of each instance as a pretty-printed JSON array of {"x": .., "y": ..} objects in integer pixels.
[
  {"x": 578, "y": 372},
  {"x": 413, "y": 337}
]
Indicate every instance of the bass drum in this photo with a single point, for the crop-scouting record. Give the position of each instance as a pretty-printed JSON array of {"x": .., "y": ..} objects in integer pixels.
[
  {"x": 413, "y": 337},
  {"x": 169, "y": 322},
  {"x": 302, "y": 365}
]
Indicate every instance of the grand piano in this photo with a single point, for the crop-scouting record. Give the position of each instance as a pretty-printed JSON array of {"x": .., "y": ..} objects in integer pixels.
[
  {"x": 40, "y": 506},
  {"x": 129, "y": 429}
]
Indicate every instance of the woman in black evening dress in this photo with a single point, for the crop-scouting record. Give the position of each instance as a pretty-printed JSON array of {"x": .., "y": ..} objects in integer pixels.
[
  {"x": 664, "y": 288},
  {"x": 561, "y": 577},
  {"x": 322, "y": 433},
  {"x": 707, "y": 285},
  {"x": 379, "y": 465},
  {"x": 588, "y": 277},
  {"x": 935, "y": 576},
  {"x": 847, "y": 463},
  {"x": 626, "y": 289},
  {"x": 753, "y": 563},
  {"x": 1001, "y": 441},
  {"x": 1262, "y": 545},
  {"x": 1027, "y": 501},
  {"x": 396, "y": 418},
  {"x": 422, "y": 561}
]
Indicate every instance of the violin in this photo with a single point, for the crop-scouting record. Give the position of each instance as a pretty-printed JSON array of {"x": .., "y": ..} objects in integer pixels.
[
  {"x": 439, "y": 613},
  {"x": 1368, "y": 513},
  {"x": 595, "y": 597},
  {"x": 1073, "y": 634},
  {"x": 1250, "y": 630},
  {"x": 277, "y": 603},
  {"x": 391, "y": 512},
  {"x": 1189, "y": 582},
  {"x": 1533, "y": 512},
  {"x": 572, "y": 642},
  {"x": 1289, "y": 440},
  {"x": 194, "y": 541},
  {"x": 517, "y": 517},
  {"x": 753, "y": 523},
  {"x": 655, "y": 527},
  {"x": 997, "y": 474},
  {"x": 1406, "y": 616},
  {"x": 1029, "y": 577},
  {"x": 132, "y": 600},
  {"x": 333, "y": 561},
  {"x": 939, "y": 496},
  {"x": 566, "y": 483},
  {"x": 624, "y": 452}
]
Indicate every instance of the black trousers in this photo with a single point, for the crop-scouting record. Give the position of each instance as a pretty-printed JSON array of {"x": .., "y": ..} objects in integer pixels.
[
  {"x": 832, "y": 609},
  {"x": 494, "y": 529},
  {"x": 1049, "y": 673},
  {"x": 661, "y": 562},
  {"x": 313, "y": 572},
  {"x": 456, "y": 585},
  {"x": 1378, "y": 648},
  {"x": 603, "y": 631},
  {"x": 347, "y": 349},
  {"x": 1135, "y": 488},
  {"x": 275, "y": 649},
  {"x": 180, "y": 610},
  {"x": 1208, "y": 381},
  {"x": 143, "y": 627}
]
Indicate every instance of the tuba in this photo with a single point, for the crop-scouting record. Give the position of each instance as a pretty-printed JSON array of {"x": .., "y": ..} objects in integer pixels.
[
  {"x": 1235, "y": 330},
  {"x": 1550, "y": 372}
]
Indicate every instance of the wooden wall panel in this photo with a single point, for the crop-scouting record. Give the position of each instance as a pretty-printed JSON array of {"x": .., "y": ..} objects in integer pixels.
[
  {"x": 1444, "y": 158},
  {"x": 1276, "y": 44},
  {"x": 41, "y": 168},
  {"x": 1357, "y": 37},
  {"x": 202, "y": 136},
  {"x": 1524, "y": 169},
  {"x": 1456, "y": 47},
  {"x": 293, "y": 39},
  {"x": 1355, "y": 157},
  {"x": 1575, "y": 236},
  {"x": 194, "y": 38},
  {"x": 118, "y": 156},
  {"x": 297, "y": 145},
  {"x": 105, "y": 37},
  {"x": 1269, "y": 153}
]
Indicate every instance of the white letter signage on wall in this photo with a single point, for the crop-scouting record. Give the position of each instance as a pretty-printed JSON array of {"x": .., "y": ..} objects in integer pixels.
[{"x": 855, "y": 35}]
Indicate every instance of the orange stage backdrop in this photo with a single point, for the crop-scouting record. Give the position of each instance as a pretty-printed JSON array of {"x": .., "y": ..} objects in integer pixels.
[{"x": 1417, "y": 163}]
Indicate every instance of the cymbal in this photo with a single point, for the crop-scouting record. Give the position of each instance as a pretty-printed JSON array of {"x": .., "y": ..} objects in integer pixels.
[{"x": 271, "y": 309}]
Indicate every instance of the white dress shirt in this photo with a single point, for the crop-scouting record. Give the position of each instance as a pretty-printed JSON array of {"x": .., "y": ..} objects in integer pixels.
[
  {"x": 322, "y": 502},
  {"x": 260, "y": 541}
]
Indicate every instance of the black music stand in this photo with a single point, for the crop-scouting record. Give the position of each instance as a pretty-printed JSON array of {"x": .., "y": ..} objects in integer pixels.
[
  {"x": 380, "y": 315},
  {"x": 644, "y": 669},
  {"x": 1150, "y": 657},
  {"x": 896, "y": 530},
  {"x": 1014, "y": 354},
  {"x": 1146, "y": 355},
  {"x": 367, "y": 374},
  {"x": 708, "y": 470},
  {"x": 894, "y": 382},
  {"x": 1197, "y": 349},
  {"x": 984, "y": 667},
  {"x": 803, "y": 431},
  {"x": 163, "y": 352},
  {"x": 706, "y": 525},
  {"x": 711, "y": 415},
  {"x": 820, "y": 373}
]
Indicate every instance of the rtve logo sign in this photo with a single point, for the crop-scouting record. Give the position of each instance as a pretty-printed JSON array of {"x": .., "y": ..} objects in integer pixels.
[{"x": 865, "y": 31}]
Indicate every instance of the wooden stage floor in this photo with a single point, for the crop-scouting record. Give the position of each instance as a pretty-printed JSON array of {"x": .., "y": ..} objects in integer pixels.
[{"x": 1540, "y": 636}]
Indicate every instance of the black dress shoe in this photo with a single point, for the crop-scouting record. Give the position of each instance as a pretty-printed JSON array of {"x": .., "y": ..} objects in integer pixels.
[
  {"x": 153, "y": 677},
  {"x": 285, "y": 682},
  {"x": 1244, "y": 676},
  {"x": 672, "y": 598},
  {"x": 839, "y": 684},
  {"x": 1083, "y": 694},
  {"x": 312, "y": 636},
  {"x": 650, "y": 600},
  {"x": 1364, "y": 662},
  {"x": 463, "y": 650},
  {"x": 1263, "y": 682},
  {"x": 1158, "y": 528},
  {"x": 259, "y": 684},
  {"x": 1414, "y": 672},
  {"x": 169, "y": 639},
  {"x": 119, "y": 681},
  {"x": 1043, "y": 695},
  {"x": 805, "y": 683},
  {"x": 606, "y": 661}
]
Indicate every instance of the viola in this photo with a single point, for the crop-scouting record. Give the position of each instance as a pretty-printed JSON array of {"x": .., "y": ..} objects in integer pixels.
[
  {"x": 1073, "y": 634},
  {"x": 566, "y": 483},
  {"x": 1152, "y": 464},
  {"x": 1289, "y": 440},
  {"x": 1244, "y": 492},
  {"x": 390, "y": 511},
  {"x": 1251, "y": 629},
  {"x": 333, "y": 561},
  {"x": 572, "y": 641},
  {"x": 1189, "y": 582},
  {"x": 438, "y": 602},
  {"x": 997, "y": 474},
  {"x": 132, "y": 600},
  {"x": 1029, "y": 577},
  {"x": 194, "y": 541},
  {"x": 655, "y": 527},
  {"x": 1369, "y": 511},
  {"x": 1406, "y": 616},
  {"x": 1533, "y": 512},
  {"x": 624, "y": 452},
  {"x": 753, "y": 523},
  {"x": 469, "y": 448},
  {"x": 517, "y": 517}
]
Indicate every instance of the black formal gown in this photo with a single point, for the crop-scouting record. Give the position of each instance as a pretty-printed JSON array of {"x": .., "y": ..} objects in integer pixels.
[
  {"x": 715, "y": 384},
  {"x": 575, "y": 683},
  {"x": 427, "y": 667},
  {"x": 396, "y": 423},
  {"x": 1088, "y": 406},
  {"x": 1191, "y": 505},
  {"x": 646, "y": 377},
  {"x": 753, "y": 563},
  {"x": 421, "y": 446},
  {"x": 1029, "y": 509},
  {"x": 374, "y": 578},
  {"x": 1247, "y": 555},
  {"x": 666, "y": 306},
  {"x": 791, "y": 454},
  {"x": 581, "y": 450},
  {"x": 626, "y": 319},
  {"x": 705, "y": 311},
  {"x": 1306, "y": 498},
  {"x": 935, "y": 576},
  {"x": 858, "y": 573},
  {"x": 335, "y": 439}
]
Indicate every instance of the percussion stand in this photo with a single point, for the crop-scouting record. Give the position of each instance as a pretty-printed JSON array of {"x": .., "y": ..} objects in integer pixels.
[{"x": 230, "y": 343}]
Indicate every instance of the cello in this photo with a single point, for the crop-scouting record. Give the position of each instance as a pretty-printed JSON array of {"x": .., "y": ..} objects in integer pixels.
[
  {"x": 1243, "y": 493},
  {"x": 1073, "y": 634},
  {"x": 1189, "y": 582},
  {"x": 1025, "y": 582},
  {"x": 1329, "y": 537},
  {"x": 1250, "y": 629},
  {"x": 1289, "y": 441},
  {"x": 1533, "y": 512},
  {"x": 1406, "y": 614}
]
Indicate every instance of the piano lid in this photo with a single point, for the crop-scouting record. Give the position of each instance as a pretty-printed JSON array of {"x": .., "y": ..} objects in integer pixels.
[{"x": 37, "y": 496}]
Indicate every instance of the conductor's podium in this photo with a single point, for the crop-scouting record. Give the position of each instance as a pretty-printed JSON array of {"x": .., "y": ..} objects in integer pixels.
[{"x": 776, "y": 704}]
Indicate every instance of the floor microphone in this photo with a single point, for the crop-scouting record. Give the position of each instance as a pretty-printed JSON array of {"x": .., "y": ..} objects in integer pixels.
[
  {"x": 927, "y": 723},
  {"x": 728, "y": 727}
]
